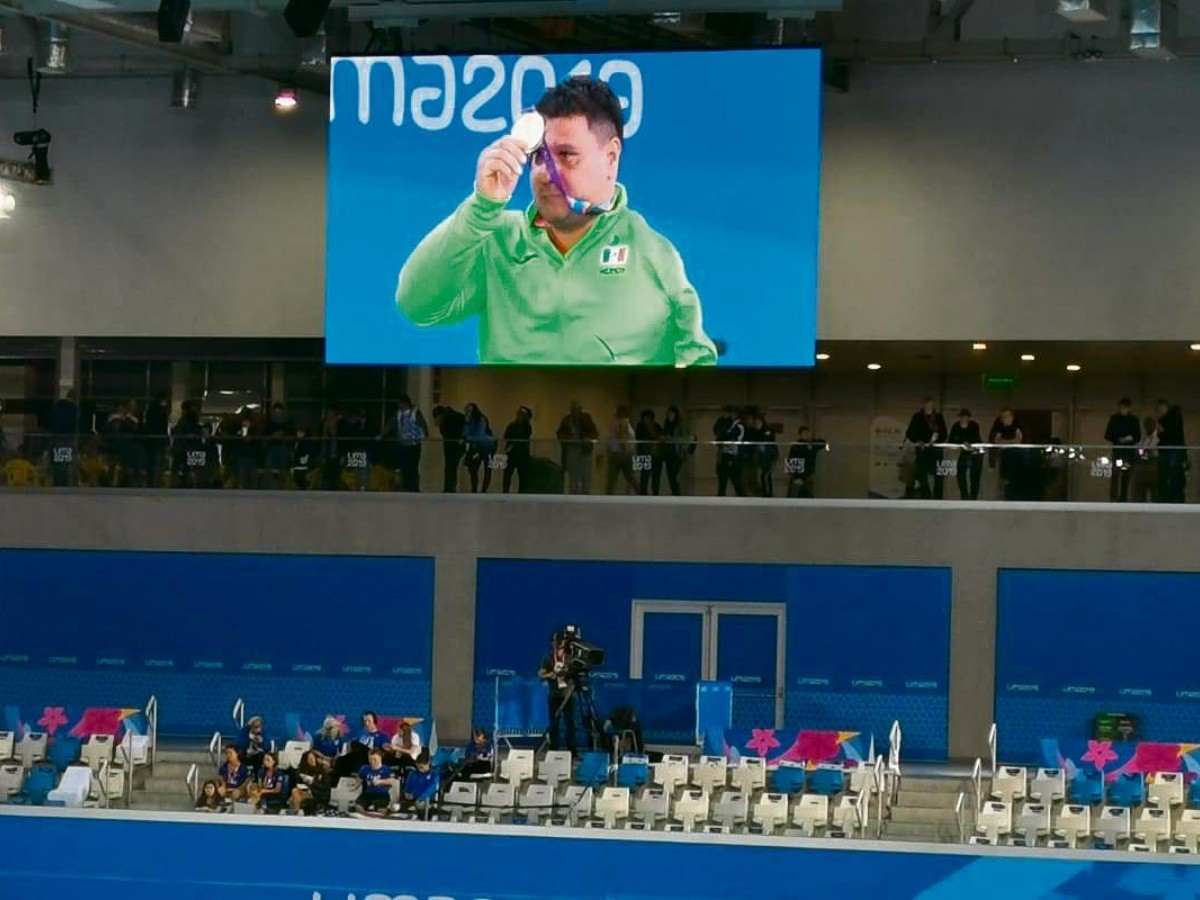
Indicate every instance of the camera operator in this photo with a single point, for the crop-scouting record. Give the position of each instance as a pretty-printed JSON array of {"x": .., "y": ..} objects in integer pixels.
[{"x": 559, "y": 693}]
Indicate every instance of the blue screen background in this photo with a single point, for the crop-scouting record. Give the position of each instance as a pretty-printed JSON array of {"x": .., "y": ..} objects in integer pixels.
[{"x": 725, "y": 164}]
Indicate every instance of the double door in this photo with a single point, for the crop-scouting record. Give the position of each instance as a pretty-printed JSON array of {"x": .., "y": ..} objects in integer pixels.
[{"x": 676, "y": 644}]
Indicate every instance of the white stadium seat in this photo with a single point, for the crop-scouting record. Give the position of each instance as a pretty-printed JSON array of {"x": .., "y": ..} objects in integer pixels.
[
  {"x": 1187, "y": 830},
  {"x": 499, "y": 799},
  {"x": 517, "y": 766},
  {"x": 811, "y": 813},
  {"x": 994, "y": 820},
  {"x": 612, "y": 806},
  {"x": 749, "y": 775},
  {"x": 73, "y": 788},
  {"x": 711, "y": 774},
  {"x": 1074, "y": 823},
  {"x": 691, "y": 808},
  {"x": 731, "y": 809},
  {"x": 1166, "y": 790},
  {"x": 671, "y": 773},
  {"x": 97, "y": 750},
  {"x": 461, "y": 799},
  {"x": 537, "y": 801},
  {"x": 1033, "y": 822},
  {"x": 652, "y": 805},
  {"x": 1009, "y": 784},
  {"x": 556, "y": 767},
  {"x": 1113, "y": 825},
  {"x": 771, "y": 812},
  {"x": 1154, "y": 827},
  {"x": 1048, "y": 786}
]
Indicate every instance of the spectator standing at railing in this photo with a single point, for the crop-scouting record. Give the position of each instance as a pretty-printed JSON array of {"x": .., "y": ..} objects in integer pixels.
[
  {"x": 358, "y": 450},
  {"x": 1123, "y": 432},
  {"x": 649, "y": 453},
  {"x": 280, "y": 430},
  {"x": 1015, "y": 465},
  {"x": 518, "y": 447},
  {"x": 965, "y": 433},
  {"x": 452, "y": 426},
  {"x": 1145, "y": 469},
  {"x": 730, "y": 451},
  {"x": 64, "y": 430},
  {"x": 801, "y": 463},
  {"x": 927, "y": 428},
  {"x": 577, "y": 435},
  {"x": 186, "y": 440},
  {"x": 332, "y": 449},
  {"x": 622, "y": 444},
  {"x": 678, "y": 443},
  {"x": 155, "y": 425},
  {"x": 123, "y": 427},
  {"x": 763, "y": 453},
  {"x": 304, "y": 457},
  {"x": 480, "y": 445},
  {"x": 1172, "y": 455},
  {"x": 409, "y": 429}
]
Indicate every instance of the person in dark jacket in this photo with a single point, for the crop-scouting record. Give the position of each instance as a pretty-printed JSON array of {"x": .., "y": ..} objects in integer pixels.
[
  {"x": 155, "y": 425},
  {"x": 518, "y": 447},
  {"x": 1123, "y": 432},
  {"x": 925, "y": 428},
  {"x": 64, "y": 426},
  {"x": 480, "y": 444},
  {"x": 801, "y": 464},
  {"x": 678, "y": 444},
  {"x": 970, "y": 461},
  {"x": 1172, "y": 456},
  {"x": 451, "y": 425},
  {"x": 765, "y": 454},
  {"x": 649, "y": 456},
  {"x": 731, "y": 448}
]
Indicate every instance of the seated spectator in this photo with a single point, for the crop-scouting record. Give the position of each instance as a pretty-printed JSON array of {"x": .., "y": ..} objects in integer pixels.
[
  {"x": 312, "y": 785},
  {"x": 234, "y": 774},
  {"x": 328, "y": 741},
  {"x": 271, "y": 783},
  {"x": 251, "y": 744},
  {"x": 377, "y": 781},
  {"x": 210, "y": 799},
  {"x": 406, "y": 746},
  {"x": 421, "y": 785},
  {"x": 253, "y": 797},
  {"x": 355, "y": 755},
  {"x": 478, "y": 760}
]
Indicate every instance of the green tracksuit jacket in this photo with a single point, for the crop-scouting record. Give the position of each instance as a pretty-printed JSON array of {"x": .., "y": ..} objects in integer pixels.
[{"x": 618, "y": 296}]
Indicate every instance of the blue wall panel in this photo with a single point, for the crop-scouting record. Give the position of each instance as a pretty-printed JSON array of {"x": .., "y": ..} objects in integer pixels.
[
  {"x": 865, "y": 645},
  {"x": 1072, "y": 644},
  {"x": 232, "y": 859},
  {"x": 306, "y": 634}
]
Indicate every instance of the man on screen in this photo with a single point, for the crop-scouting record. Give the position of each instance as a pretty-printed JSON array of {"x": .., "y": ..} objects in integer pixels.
[{"x": 555, "y": 284}]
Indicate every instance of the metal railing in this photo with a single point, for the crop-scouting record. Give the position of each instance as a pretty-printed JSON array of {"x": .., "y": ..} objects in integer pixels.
[
  {"x": 960, "y": 817},
  {"x": 192, "y": 780},
  {"x": 239, "y": 713},
  {"x": 215, "y": 749},
  {"x": 152, "y": 719},
  {"x": 992, "y": 747},
  {"x": 977, "y": 784},
  {"x": 882, "y": 468},
  {"x": 879, "y": 779}
]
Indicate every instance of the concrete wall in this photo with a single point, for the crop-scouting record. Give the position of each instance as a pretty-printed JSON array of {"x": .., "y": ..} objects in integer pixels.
[
  {"x": 458, "y": 530},
  {"x": 991, "y": 201}
]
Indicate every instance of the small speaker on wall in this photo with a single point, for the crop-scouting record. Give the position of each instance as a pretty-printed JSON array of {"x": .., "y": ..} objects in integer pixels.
[
  {"x": 304, "y": 17},
  {"x": 174, "y": 18}
]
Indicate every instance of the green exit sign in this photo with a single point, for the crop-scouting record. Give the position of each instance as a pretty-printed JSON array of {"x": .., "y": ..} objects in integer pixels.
[{"x": 999, "y": 382}]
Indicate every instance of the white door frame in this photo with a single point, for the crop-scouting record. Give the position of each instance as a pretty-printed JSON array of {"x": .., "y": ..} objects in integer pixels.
[{"x": 710, "y": 613}]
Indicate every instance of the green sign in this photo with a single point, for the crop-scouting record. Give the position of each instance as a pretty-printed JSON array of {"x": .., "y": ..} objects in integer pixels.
[{"x": 999, "y": 382}]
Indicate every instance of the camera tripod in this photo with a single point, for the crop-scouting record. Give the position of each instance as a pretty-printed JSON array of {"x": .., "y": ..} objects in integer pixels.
[{"x": 578, "y": 686}]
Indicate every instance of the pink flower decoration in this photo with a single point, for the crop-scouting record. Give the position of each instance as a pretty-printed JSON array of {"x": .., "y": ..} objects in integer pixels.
[
  {"x": 1099, "y": 754},
  {"x": 1150, "y": 757},
  {"x": 53, "y": 718},
  {"x": 761, "y": 741},
  {"x": 97, "y": 721}
]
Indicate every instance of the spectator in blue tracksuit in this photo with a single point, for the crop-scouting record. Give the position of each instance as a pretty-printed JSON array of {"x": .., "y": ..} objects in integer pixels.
[
  {"x": 234, "y": 774},
  {"x": 481, "y": 444},
  {"x": 328, "y": 741},
  {"x": 377, "y": 781},
  {"x": 272, "y": 783},
  {"x": 478, "y": 759},
  {"x": 422, "y": 784}
]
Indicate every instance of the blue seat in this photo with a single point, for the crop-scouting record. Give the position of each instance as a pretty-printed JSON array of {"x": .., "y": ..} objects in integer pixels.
[
  {"x": 446, "y": 757},
  {"x": 1086, "y": 788},
  {"x": 1127, "y": 790},
  {"x": 63, "y": 752},
  {"x": 593, "y": 769},
  {"x": 788, "y": 780},
  {"x": 39, "y": 783},
  {"x": 633, "y": 772},
  {"x": 826, "y": 782}
]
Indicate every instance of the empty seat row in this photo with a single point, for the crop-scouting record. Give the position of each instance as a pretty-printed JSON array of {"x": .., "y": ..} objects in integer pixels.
[
  {"x": 1112, "y": 826},
  {"x": 1163, "y": 789}
]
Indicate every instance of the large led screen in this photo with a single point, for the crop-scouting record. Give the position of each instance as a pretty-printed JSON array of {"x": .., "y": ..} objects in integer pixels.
[{"x": 641, "y": 209}]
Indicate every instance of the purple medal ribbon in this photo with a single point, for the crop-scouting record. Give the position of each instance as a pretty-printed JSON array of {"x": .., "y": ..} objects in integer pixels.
[{"x": 583, "y": 207}]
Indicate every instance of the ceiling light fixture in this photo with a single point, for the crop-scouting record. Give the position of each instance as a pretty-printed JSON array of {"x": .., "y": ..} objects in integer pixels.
[
  {"x": 1027, "y": 357},
  {"x": 822, "y": 357},
  {"x": 1073, "y": 367},
  {"x": 1195, "y": 347},
  {"x": 286, "y": 99},
  {"x": 979, "y": 345},
  {"x": 874, "y": 367}
]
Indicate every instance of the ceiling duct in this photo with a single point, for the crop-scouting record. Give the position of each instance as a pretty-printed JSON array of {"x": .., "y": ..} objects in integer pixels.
[
  {"x": 1154, "y": 29},
  {"x": 1083, "y": 12},
  {"x": 55, "y": 59}
]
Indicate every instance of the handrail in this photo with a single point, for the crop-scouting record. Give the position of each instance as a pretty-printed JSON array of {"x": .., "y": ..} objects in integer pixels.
[
  {"x": 992, "y": 747},
  {"x": 192, "y": 780},
  {"x": 879, "y": 779},
  {"x": 894, "y": 739},
  {"x": 214, "y": 749},
  {"x": 958, "y": 817},
  {"x": 977, "y": 783},
  {"x": 127, "y": 754},
  {"x": 152, "y": 717},
  {"x": 239, "y": 713}
]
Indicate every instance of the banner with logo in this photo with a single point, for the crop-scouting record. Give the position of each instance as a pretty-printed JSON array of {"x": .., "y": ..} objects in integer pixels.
[{"x": 662, "y": 210}]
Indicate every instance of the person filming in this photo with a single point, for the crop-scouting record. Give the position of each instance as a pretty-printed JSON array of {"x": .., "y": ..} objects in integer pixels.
[{"x": 559, "y": 695}]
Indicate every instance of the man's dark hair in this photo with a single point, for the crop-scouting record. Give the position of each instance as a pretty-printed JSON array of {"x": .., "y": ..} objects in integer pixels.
[
  {"x": 1124, "y": 401},
  {"x": 404, "y": 400},
  {"x": 587, "y": 97}
]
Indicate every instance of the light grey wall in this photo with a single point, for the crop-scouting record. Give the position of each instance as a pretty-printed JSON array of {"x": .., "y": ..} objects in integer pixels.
[
  {"x": 166, "y": 222},
  {"x": 959, "y": 201},
  {"x": 1016, "y": 201},
  {"x": 975, "y": 541}
]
